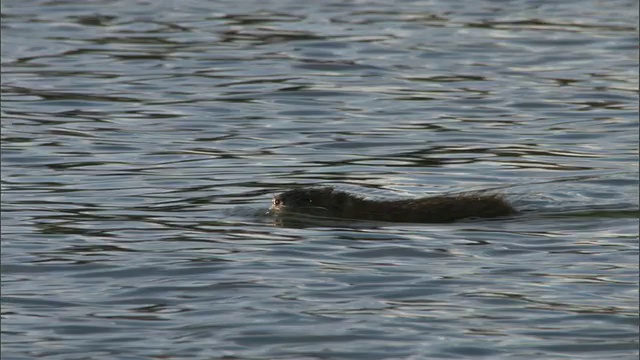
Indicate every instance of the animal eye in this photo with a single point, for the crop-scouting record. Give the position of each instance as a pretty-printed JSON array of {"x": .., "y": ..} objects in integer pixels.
[{"x": 277, "y": 202}]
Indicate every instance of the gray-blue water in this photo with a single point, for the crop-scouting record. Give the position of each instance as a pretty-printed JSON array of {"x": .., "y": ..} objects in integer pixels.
[{"x": 142, "y": 142}]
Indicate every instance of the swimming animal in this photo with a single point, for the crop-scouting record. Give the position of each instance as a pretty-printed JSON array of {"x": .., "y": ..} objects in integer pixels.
[{"x": 329, "y": 202}]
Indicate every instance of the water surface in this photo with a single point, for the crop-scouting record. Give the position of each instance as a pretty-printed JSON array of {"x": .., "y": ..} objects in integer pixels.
[{"x": 142, "y": 142}]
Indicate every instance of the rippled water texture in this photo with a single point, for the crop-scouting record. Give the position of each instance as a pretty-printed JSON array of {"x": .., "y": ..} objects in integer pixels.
[{"x": 142, "y": 142}]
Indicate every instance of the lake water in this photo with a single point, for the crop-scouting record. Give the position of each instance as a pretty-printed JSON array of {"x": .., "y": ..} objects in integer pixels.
[{"x": 142, "y": 142}]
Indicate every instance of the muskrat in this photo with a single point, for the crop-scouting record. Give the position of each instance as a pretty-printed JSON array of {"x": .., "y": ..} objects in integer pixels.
[{"x": 329, "y": 202}]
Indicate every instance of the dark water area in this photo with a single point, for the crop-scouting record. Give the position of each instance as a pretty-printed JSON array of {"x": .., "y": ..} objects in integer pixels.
[{"x": 142, "y": 143}]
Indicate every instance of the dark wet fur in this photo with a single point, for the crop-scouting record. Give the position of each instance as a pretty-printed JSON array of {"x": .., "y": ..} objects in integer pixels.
[
  {"x": 319, "y": 201},
  {"x": 328, "y": 202}
]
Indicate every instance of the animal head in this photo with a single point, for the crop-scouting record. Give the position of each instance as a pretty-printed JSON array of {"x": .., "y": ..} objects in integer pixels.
[{"x": 322, "y": 201}]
